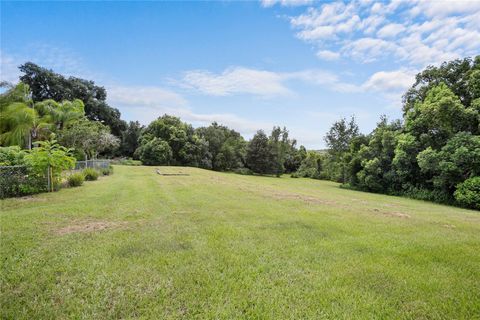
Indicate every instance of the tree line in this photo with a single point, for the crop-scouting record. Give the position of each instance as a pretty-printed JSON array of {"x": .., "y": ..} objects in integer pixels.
[{"x": 432, "y": 153}]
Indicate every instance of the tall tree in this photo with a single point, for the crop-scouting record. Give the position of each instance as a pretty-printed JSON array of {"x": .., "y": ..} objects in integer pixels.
[
  {"x": 130, "y": 138},
  {"x": 46, "y": 84},
  {"x": 261, "y": 158}
]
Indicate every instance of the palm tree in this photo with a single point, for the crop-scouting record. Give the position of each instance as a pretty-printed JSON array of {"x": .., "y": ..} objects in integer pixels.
[
  {"x": 61, "y": 113},
  {"x": 22, "y": 121},
  {"x": 20, "y": 124}
]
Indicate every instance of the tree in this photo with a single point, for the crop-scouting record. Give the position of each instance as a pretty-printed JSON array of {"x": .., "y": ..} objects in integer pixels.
[
  {"x": 50, "y": 159},
  {"x": 457, "y": 161},
  {"x": 21, "y": 124},
  {"x": 61, "y": 113},
  {"x": 226, "y": 147},
  {"x": 260, "y": 156},
  {"x": 437, "y": 118},
  {"x": 130, "y": 138},
  {"x": 338, "y": 140},
  {"x": 155, "y": 152},
  {"x": 187, "y": 148},
  {"x": 46, "y": 84},
  {"x": 89, "y": 137},
  {"x": 454, "y": 74},
  {"x": 468, "y": 193}
]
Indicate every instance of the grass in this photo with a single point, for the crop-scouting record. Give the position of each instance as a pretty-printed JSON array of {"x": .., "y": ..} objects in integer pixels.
[{"x": 224, "y": 246}]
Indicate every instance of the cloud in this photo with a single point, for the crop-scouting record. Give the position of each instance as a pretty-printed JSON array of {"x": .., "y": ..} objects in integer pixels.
[
  {"x": 236, "y": 80},
  {"x": 328, "y": 55},
  {"x": 430, "y": 32},
  {"x": 58, "y": 59},
  {"x": 262, "y": 83},
  {"x": 144, "y": 96},
  {"x": 285, "y": 3},
  {"x": 390, "y": 30},
  {"x": 8, "y": 68},
  {"x": 388, "y": 81},
  {"x": 148, "y": 103}
]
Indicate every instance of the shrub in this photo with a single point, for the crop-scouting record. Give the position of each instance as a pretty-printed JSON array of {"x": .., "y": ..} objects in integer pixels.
[
  {"x": 107, "y": 171},
  {"x": 128, "y": 162},
  {"x": 244, "y": 171},
  {"x": 90, "y": 174},
  {"x": 468, "y": 193},
  {"x": 75, "y": 180}
]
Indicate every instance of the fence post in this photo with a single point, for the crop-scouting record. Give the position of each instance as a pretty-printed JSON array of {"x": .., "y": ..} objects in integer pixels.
[{"x": 48, "y": 179}]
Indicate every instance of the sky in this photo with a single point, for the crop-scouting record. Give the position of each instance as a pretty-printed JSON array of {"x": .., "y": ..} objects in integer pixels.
[{"x": 249, "y": 65}]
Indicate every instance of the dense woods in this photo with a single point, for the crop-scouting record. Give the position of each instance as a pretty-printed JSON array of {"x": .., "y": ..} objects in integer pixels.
[{"x": 433, "y": 153}]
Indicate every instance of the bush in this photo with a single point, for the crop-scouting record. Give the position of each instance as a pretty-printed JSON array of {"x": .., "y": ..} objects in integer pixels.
[
  {"x": 90, "y": 174},
  {"x": 128, "y": 162},
  {"x": 107, "y": 171},
  {"x": 468, "y": 193},
  {"x": 244, "y": 171},
  {"x": 75, "y": 180}
]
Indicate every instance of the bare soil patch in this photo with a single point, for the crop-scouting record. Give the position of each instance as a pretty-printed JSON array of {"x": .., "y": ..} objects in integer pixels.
[
  {"x": 88, "y": 226},
  {"x": 396, "y": 214}
]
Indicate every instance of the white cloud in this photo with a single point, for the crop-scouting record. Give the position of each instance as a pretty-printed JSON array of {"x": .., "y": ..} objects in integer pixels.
[
  {"x": 148, "y": 103},
  {"x": 415, "y": 33},
  {"x": 388, "y": 81},
  {"x": 8, "y": 68},
  {"x": 390, "y": 30},
  {"x": 236, "y": 80},
  {"x": 285, "y": 3},
  {"x": 60, "y": 60},
  {"x": 328, "y": 55},
  {"x": 265, "y": 84},
  {"x": 144, "y": 96}
]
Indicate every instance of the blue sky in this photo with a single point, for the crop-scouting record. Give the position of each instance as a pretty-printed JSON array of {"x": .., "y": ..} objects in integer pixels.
[{"x": 250, "y": 65}]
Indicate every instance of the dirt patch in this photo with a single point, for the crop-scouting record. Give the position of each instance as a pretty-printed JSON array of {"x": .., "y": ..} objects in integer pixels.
[
  {"x": 31, "y": 198},
  {"x": 449, "y": 226},
  {"x": 88, "y": 226},
  {"x": 307, "y": 199},
  {"x": 396, "y": 214}
]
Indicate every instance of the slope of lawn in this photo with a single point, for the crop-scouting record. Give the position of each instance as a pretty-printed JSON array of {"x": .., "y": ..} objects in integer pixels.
[{"x": 223, "y": 246}]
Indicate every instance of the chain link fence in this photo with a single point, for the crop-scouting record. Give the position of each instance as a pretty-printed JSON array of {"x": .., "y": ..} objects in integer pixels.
[
  {"x": 18, "y": 181},
  {"x": 95, "y": 164}
]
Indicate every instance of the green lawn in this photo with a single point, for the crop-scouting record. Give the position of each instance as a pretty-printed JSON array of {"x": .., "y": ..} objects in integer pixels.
[{"x": 224, "y": 246}]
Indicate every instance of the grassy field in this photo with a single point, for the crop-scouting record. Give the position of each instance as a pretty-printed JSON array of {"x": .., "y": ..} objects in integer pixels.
[{"x": 223, "y": 246}]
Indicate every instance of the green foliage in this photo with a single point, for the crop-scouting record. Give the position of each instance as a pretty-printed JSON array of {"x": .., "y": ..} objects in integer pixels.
[
  {"x": 107, "y": 171},
  {"x": 459, "y": 159},
  {"x": 90, "y": 174},
  {"x": 49, "y": 158},
  {"x": 128, "y": 162},
  {"x": 155, "y": 152},
  {"x": 455, "y": 74},
  {"x": 185, "y": 147},
  {"x": 17, "y": 181},
  {"x": 11, "y": 156},
  {"x": 311, "y": 166},
  {"x": 91, "y": 137},
  {"x": 225, "y": 147},
  {"x": 22, "y": 121},
  {"x": 75, "y": 179},
  {"x": 46, "y": 84},
  {"x": 437, "y": 118},
  {"x": 130, "y": 138},
  {"x": 468, "y": 193},
  {"x": 338, "y": 140},
  {"x": 261, "y": 157}
]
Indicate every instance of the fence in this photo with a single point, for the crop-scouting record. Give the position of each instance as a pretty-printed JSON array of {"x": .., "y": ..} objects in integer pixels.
[
  {"x": 16, "y": 180},
  {"x": 96, "y": 164}
]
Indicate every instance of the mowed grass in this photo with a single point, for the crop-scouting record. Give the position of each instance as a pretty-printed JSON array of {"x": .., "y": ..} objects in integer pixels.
[{"x": 223, "y": 246}]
